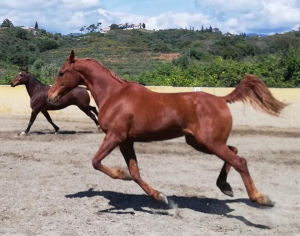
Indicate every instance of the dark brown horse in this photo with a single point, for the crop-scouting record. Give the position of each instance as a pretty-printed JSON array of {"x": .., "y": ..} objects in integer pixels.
[
  {"x": 39, "y": 103},
  {"x": 132, "y": 113}
]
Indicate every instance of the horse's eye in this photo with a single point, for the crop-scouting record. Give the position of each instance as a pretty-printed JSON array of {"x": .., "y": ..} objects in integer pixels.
[{"x": 61, "y": 73}]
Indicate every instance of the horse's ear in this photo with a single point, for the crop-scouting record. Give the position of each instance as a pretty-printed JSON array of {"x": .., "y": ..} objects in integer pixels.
[
  {"x": 72, "y": 57},
  {"x": 26, "y": 69}
]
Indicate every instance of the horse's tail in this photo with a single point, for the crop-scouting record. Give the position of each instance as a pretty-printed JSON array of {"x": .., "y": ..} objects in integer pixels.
[{"x": 252, "y": 89}]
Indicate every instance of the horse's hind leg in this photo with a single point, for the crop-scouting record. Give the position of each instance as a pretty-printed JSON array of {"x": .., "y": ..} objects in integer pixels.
[
  {"x": 91, "y": 115},
  {"x": 46, "y": 114},
  {"x": 240, "y": 164},
  {"x": 228, "y": 155},
  {"x": 222, "y": 179},
  {"x": 93, "y": 109},
  {"x": 128, "y": 153}
]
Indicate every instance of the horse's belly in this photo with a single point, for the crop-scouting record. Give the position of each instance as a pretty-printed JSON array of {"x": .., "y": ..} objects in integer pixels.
[{"x": 157, "y": 136}]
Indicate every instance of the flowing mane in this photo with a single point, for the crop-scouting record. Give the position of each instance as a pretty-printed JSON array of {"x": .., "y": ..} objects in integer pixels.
[
  {"x": 35, "y": 78},
  {"x": 113, "y": 74}
]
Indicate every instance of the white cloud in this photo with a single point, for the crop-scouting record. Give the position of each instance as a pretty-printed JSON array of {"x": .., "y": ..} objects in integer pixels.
[
  {"x": 235, "y": 16},
  {"x": 254, "y": 14},
  {"x": 163, "y": 21},
  {"x": 81, "y": 4}
]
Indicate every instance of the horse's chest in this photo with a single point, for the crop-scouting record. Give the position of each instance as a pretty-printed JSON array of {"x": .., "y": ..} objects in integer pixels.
[{"x": 35, "y": 102}]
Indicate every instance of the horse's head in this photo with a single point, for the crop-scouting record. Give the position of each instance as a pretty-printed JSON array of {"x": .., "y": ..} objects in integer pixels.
[
  {"x": 67, "y": 79},
  {"x": 21, "y": 78}
]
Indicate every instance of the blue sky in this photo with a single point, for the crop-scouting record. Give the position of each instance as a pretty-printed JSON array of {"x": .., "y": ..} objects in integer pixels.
[{"x": 234, "y": 16}]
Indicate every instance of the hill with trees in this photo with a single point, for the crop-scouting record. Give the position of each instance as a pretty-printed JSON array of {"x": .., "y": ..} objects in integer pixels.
[{"x": 175, "y": 57}]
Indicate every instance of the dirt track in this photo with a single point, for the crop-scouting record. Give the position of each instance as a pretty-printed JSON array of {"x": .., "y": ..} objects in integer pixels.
[{"x": 49, "y": 187}]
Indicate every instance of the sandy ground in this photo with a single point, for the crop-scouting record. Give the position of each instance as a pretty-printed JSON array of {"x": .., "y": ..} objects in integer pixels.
[{"x": 49, "y": 187}]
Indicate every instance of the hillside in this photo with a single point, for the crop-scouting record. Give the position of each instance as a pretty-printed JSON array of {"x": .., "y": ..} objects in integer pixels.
[{"x": 132, "y": 53}]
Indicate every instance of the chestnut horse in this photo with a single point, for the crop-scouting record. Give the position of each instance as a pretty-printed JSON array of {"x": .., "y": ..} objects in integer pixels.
[
  {"x": 39, "y": 103},
  {"x": 129, "y": 112}
]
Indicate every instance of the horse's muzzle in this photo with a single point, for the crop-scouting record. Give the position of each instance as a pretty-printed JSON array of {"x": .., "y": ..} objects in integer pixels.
[{"x": 52, "y": 100}]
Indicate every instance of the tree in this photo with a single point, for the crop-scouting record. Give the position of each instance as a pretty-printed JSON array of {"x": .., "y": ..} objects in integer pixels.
[
  {"x": 47, "y": 44},
  {"x": 81, "y": 29},
  {"x": 21, "y": 33},
  {"x": 7, "y": 23},
  {"x": 143, "y": 25},
  {"x": 99, "y": 25},
  {"x": 36, "y": 27},
  {"x": 91, "y": 28},
  {"x": 19, "y": 59},
  {"x": 114, "y": 27}
]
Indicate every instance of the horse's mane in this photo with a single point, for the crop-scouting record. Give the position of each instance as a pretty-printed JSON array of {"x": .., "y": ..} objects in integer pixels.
[
  {"x": 36, "y": 79},
  {"x": 113, "y": 74},
  {"x": 31, "y": 75}
]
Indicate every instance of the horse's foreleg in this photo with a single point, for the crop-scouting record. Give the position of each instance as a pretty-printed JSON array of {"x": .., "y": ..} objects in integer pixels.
[
  {"x": 222, "y": 179},
  {"x": 109, "y": 143},
  {"x": 240, "y": 164},
  {"x": 46, "y": 114},
  {"x": 33, "y": 116},
  {"x": 128, "y": 153}
]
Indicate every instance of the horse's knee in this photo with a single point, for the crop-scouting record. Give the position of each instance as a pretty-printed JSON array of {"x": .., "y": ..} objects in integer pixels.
[{"x": 241, "y": 165}]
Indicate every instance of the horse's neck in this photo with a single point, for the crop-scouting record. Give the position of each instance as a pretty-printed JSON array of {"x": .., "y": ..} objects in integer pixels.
[
  {"x": 32, "y": 86},
  {"x": 103, "y": 89}
]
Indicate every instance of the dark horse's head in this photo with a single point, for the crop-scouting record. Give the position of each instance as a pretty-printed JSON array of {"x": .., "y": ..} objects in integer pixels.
[
  {"x": 67, "y": 79},
  {"x": 21, "y": 78}
]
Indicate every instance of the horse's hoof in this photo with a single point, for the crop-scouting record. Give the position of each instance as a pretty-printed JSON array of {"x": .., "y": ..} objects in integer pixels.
[
  {"x": 266, "y": 201},
  {"x": 56, "y": 132},
  {"x": 228, "y": 193},
  {"x": 24, "y": 134},
  {"x": 162, "y": 198},
  {"x": 226, "y": 189}
]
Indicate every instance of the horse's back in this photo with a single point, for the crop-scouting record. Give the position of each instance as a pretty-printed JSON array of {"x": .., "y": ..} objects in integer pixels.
[
  {"x": 148, "y": 110},
  {"x": 137, "y": 94},
  {"x": 78, "y": 94}
]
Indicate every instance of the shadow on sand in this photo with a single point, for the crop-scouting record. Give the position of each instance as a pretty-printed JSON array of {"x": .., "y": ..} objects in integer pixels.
[
  {"x": 122, "y": 201},
  {"x": 63, "y": 132}
]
